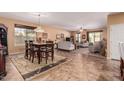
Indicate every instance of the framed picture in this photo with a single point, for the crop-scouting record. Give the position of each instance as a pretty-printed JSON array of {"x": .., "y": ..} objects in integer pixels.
[
  {"x": 44, "y": 35},
  {"x": 58, "y": 36},
  {"x": 83, "y": 36},
  {"x": 62, "y": 35}
]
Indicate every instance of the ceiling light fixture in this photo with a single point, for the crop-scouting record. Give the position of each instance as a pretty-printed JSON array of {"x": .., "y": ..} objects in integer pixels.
[
  {"x": 39, "y": 28},
  {"x": 81, "y": 29}
]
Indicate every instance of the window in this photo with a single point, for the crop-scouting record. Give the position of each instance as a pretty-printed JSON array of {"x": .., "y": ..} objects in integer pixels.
[
  {"x": 22, "y": 34},
  {"x": 94, "y": 36}
]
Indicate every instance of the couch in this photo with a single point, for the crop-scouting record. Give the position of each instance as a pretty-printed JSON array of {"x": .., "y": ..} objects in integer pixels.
[
  {"x": 95, "y": 48},
  {"x": 98, "y": 47},
  {"x": 66, "y": 45},
  {"x": 84, "y": 44}
]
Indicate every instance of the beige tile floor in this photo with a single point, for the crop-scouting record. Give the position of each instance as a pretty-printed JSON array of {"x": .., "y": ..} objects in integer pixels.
[
  {"x": 80, "y": 67},
  {"x": 12, "y": 72}
]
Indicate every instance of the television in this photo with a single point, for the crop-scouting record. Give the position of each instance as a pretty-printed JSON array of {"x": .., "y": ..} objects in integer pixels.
[{"x": 68, "y": 39}]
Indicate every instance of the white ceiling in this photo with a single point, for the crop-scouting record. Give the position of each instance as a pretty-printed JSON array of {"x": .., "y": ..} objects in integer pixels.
[{"x": 71, "y": 21}]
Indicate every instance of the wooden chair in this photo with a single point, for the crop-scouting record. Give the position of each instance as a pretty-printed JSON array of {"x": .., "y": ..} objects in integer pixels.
[
  {"x": 30, "y": 48},
  {"x": 49, "y": 42},
  {"x": 48, "y": 51},
  {"x": 34, "y": 52},
  {"x": 26, "y": 49}
]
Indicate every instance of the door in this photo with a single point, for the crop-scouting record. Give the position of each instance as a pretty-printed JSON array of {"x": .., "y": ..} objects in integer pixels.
[
  {"x": 78, "y": 37},
  {"x": 116, "y": 36}
]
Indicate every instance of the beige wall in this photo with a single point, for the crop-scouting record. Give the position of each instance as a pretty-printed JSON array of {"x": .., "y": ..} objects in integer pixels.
[
  {"x": 10, "y": 24},
  {"x": 100, "y": 29},
  {"x": 91, "y": 30},
  {"x": 53, "y": 31},
  {"x": 113, "y": 19}
]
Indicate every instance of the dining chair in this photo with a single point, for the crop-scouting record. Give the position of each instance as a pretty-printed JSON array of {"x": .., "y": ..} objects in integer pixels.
[
  {"x": 47, "y": 52},
  {"x": 26, "y": 49},
  {"x": 50, "y": 51},
  {"x": 34, "y": 52},
  {"x": 49, "y": 42},
  {"x": 30, "y": 48}
]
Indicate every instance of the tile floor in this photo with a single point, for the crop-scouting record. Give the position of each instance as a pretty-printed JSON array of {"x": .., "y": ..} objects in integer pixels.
[{"x": 81, "y": 67}]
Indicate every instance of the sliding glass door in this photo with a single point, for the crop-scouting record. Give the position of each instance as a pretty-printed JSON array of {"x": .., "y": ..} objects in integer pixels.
[
  {"x": 94, "y": 36},
  {"x": 78, "y": 37}
]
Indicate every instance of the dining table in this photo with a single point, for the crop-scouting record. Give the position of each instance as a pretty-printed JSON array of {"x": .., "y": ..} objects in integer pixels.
[{"x": 39, "y": 46}]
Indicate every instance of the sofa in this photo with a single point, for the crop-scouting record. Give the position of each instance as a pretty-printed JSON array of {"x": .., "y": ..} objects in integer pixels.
[
  {"x": 66, "y": 45},
  {"x": 95, "y": 48},
  {"x": 84, "y": 44},
  {"x": 98, "y": 47}
]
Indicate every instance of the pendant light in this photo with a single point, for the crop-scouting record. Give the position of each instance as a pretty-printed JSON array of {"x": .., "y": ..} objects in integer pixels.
[
  {"x": 39, "y": 28},
  {"x": 81, "y": 29}
]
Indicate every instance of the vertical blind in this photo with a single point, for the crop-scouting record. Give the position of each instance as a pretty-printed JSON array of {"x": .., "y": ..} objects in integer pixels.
[
  {"x": 95, "y": 36},
  {"x": 23, "y": 33}
]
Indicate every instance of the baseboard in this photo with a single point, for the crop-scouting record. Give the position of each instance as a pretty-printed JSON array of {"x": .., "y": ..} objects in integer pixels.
[{"x": 16, "y": 53}]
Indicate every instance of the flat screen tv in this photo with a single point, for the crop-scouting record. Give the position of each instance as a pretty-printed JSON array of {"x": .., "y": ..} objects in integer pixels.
[{"x": 68, "y": 39}]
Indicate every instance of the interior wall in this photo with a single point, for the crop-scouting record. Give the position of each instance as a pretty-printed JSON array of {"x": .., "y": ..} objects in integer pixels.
[
  {"x": 10, "y": 24},
  {"x": 52, "y": 32},
  {"x": 113, "y": 19},
  {"x": 90, "y": 30}
]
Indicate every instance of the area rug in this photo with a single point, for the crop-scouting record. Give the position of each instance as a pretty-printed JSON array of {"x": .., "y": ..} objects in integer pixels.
[{"x": 28, "y": 69}]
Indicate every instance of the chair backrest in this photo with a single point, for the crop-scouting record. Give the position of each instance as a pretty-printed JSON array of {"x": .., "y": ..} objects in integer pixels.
[
  {"x": 30, "y": 43},
  {"x": 49, "y": 42},
  {"x": 50, "y": 46},
  {"x": 26, "y": 44}
]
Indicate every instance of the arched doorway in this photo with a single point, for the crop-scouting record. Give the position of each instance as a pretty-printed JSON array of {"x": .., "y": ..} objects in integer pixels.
[{"x": 3, "y": 37}]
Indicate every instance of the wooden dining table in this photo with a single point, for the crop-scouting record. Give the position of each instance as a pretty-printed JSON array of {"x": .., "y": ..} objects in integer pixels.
[{"x": 39, "y": 45}]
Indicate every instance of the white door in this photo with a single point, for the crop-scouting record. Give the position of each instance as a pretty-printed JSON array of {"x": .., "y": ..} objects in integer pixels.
[{"x": 116, "y": 36}]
